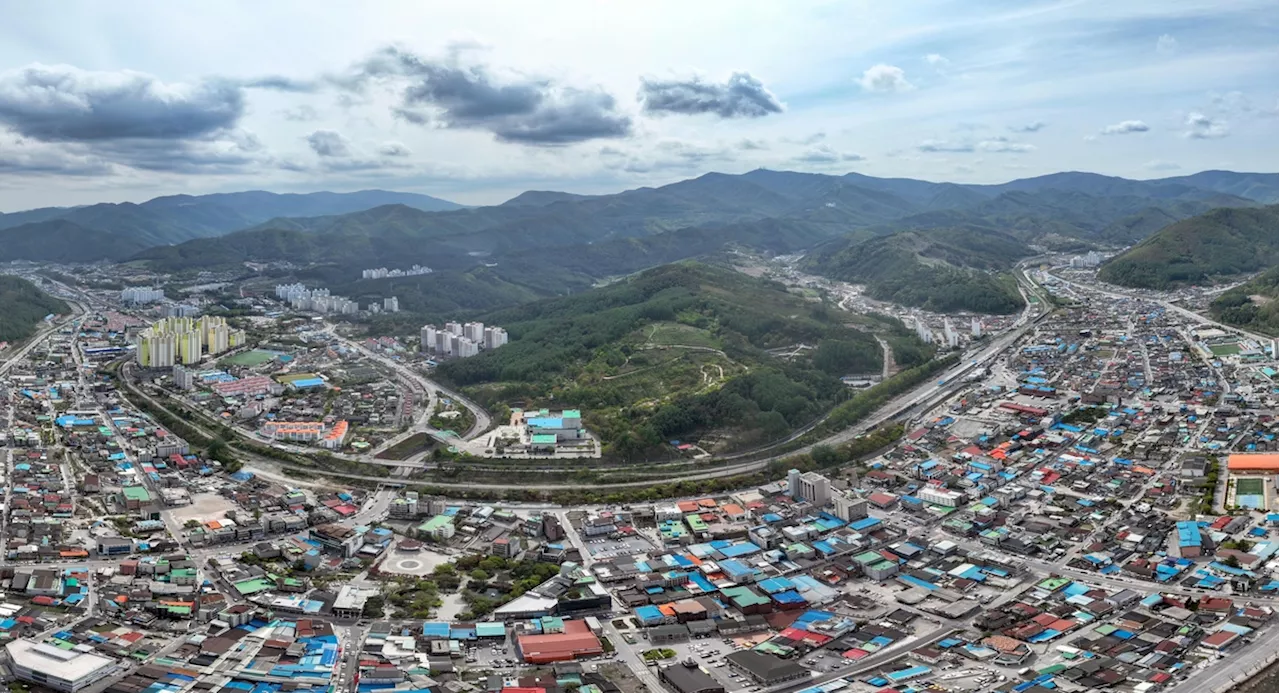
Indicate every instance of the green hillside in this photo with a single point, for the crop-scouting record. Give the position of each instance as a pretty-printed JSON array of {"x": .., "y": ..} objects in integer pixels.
[
  {"x": 22, "y": 306},
  {"x": 1200, "y": 250},
  {"x": 679, "y": 351},
  {"x": 944, "y": 270},
  {"x": 1251, "y": 305},
  {"x": 59, "y": 240}
]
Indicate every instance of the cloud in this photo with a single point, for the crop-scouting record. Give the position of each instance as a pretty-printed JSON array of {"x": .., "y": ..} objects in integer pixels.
[
  {"x": 752, "y": 145},
  {"x": 666, "y": 155},
  {"x": 1002, "y": 145},
  {"x": 1166, "y": 44},
  {"x": 824, "y": 154},
  {"x": 944, "y": 146},
  {"x": 939, "y": 63},
  {"x": 61, "y": 103},
  {"x": 1161, "y": 166},
  {"x": 742, "y": 96},
  {"x": 885, "y": 79},
  {"x": 394, "y": 149},
  {"x": 995, "y": 145},
  {"x": 300, "y": 114},
  {"x": 280, "y": 83},
  {"x": 1125, "y": 127},
  {"x": 329, "y": 143},
  {"x": 1034, "y": 126},
  {"x": 514, "y": 108},
  {"x": 31, "y": 158},
  {"x": 1202, "y": 127}
]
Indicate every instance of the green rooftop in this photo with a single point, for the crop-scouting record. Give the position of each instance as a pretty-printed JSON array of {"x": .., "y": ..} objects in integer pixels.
[
  {"x": 743, "y": 597},
  {"x": 137, "y": 493},
  {"x": 437, "y": 522},
  {"x": 544, "y": 439}
]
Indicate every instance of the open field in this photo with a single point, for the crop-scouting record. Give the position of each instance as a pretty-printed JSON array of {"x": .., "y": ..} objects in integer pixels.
[{"x": 1225, "y": 349}]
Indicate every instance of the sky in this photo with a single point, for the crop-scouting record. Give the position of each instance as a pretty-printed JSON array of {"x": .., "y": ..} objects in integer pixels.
[{"x": 478, "y": 101}]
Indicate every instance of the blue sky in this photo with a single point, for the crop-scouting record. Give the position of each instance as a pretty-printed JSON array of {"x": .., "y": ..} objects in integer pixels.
[{"x": 479, "y": 101}]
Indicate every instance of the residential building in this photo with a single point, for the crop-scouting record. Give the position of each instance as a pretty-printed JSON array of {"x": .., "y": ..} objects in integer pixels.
[
  {"x": 938, "y": 495},
  {"x": 141, "y": 294},
  {"x": 811, "y": 487},
  {"x": 183, "y": 378},
  {"x": 391, "y": 304}
]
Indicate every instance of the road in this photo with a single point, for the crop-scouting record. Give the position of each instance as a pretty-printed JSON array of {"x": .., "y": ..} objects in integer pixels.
[{"x": 1221, "y": 675}]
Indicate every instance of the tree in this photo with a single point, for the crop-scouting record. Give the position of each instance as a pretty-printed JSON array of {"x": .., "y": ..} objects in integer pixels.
[
  {"x": 479, "y": 575},
  {"x": 1232, "y": 561},
  {"x": 373, "y": 606}
]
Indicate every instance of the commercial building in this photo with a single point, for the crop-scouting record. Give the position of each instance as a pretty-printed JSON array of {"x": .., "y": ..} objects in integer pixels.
[
  {"x": 439, "y": 527},
  {"x": 688, "y": 677},
  {"x": 575, "y": 640},
  {"x": 938, "y": 495},
  {"x": 849, "y": 507},
  {"x": 56, "y": 668},
  {"x": 765, "y": 669}
]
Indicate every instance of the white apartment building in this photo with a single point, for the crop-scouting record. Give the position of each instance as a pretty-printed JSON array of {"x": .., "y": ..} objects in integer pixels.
[
  {"x": 141, "y": 294},
  {"x": 391, "y": 304},
  {"x": 940, "y": 496},
  {"x": 494, "y": 337},
  {"x": 474, "y": 331}
]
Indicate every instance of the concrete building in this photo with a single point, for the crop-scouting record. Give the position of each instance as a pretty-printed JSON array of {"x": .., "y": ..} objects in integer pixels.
[
  {"x": 975, "y": 328},
  {"x": 55, "y": 668},
  {"x": 427, "y": 338},
  {"x": 849, "y": 507},
  {"x": 938, "y": 495},
  {"x": 391, "y": 304},
  {"x": 183, "y": 378},
  {"x": 811, "y": 487},
  {"x": 474, "y": 331}
]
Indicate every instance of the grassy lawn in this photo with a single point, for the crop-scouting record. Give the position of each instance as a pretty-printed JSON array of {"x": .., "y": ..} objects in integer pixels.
[
  {"x": 1224, "y": 349},
  {"x": 407, "y": 448},
  {"x": 675, "y": 333}
]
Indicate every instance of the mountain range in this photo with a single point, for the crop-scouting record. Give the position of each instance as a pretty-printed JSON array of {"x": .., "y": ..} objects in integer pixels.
[
  {"x": 115, "y": 231},
  {"x": 545, "y": 243}
]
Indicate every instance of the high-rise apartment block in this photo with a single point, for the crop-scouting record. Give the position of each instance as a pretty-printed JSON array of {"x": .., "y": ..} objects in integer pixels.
[
  {"x": 460, "y": 340},
  {"x": 172, "y": 341},
  {"x": 391, "y": 304}
]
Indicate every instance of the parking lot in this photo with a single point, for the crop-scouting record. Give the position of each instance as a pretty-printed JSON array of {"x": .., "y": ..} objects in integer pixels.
[{"x": 604, "y": 548}]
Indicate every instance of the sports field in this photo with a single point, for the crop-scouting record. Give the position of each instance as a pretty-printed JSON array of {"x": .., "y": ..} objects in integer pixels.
[
  {"x": 1249, "y": 487},
  {"x": 1225, "y": 349},
  {"x": 249, "y": 358}
]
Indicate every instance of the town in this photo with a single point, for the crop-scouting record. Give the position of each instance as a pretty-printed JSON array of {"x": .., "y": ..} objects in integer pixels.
[{"x": 1093, "y": 507}]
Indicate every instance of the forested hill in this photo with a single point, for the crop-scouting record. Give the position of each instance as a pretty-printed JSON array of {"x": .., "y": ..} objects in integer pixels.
[
  {"x": 684, "y": 351},
  {"x": 1251, "y": 305},
  {"x": 1201, "y": 250},
  {"x": 22, "y": 306},
  {"x": 946, "y": 270}
]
